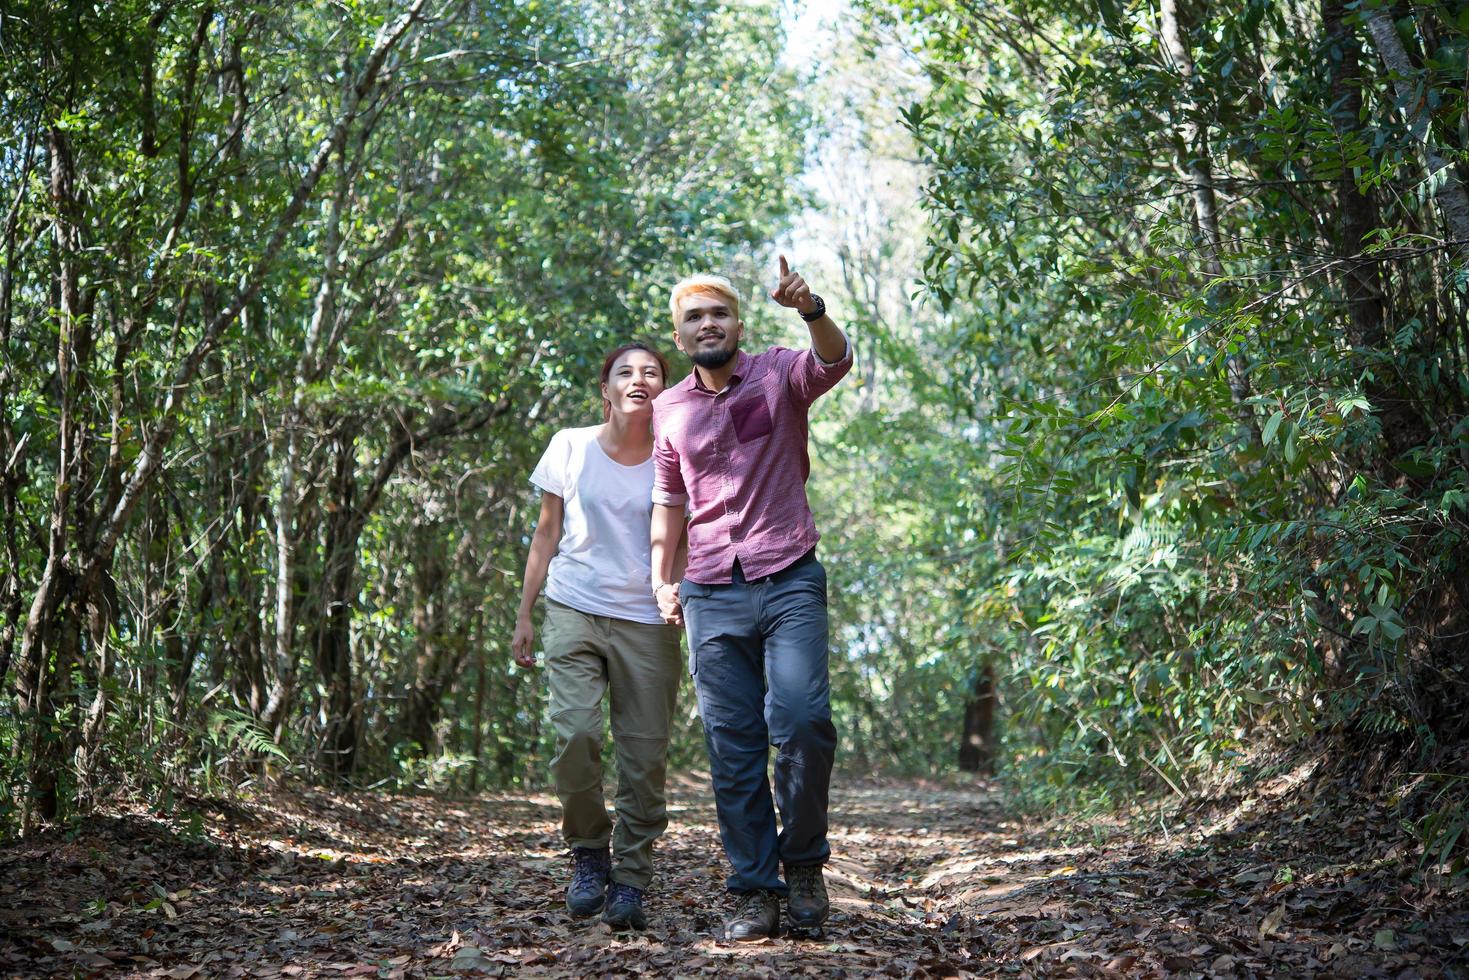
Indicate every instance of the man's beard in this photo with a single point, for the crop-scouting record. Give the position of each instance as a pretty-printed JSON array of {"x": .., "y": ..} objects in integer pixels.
[{"x": 713, "y": 359}]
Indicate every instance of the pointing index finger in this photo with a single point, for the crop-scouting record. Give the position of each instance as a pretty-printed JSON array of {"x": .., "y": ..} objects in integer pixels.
[{"x": 785, "y": 269}]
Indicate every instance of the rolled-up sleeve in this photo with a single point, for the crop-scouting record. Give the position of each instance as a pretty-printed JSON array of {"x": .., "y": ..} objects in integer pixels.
[
  {"x": 811, "y": 377},
  {"x": 668, "y": 485}
]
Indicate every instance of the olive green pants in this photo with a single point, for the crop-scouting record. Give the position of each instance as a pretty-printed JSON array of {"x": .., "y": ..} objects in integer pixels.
[{"x": 641, "y": 663}]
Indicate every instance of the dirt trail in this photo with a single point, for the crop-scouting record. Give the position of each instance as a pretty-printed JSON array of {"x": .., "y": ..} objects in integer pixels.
[{"x": 927, "y": 881}]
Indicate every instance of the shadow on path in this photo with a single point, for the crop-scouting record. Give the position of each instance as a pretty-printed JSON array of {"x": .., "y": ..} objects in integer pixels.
[{"x": 927, "y": 881}]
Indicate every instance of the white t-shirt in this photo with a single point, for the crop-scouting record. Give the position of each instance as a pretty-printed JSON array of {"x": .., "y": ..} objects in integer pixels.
[{"x": 603, "y": 564}]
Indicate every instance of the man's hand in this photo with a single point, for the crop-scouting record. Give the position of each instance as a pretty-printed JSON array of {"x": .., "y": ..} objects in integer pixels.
[
  {"x": 792, "y": 290},
  {"x": 522, "y": 644},
  {"x": 668, "y": 605}
]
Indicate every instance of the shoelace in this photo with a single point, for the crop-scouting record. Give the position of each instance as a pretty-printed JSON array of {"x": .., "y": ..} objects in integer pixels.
[
  {"x": 621, "y": 892},
  {"x": 803, "y": 884},
  {"x": 588, "y": 868},
  {"x": 751, "y": 903}
]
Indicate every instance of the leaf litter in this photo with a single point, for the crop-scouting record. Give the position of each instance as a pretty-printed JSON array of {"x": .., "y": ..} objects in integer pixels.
[{"x": 928, "y": 879}]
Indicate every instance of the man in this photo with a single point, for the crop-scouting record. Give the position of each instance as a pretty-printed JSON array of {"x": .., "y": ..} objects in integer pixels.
[{"x": 730, "y": 443}]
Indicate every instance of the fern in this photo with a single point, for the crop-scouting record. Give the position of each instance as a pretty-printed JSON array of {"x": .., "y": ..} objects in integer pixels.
[{"x": 231, "y": 728}]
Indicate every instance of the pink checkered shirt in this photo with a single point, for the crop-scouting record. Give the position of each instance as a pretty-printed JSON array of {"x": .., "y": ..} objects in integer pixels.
[{"x": 738, "y": 459}]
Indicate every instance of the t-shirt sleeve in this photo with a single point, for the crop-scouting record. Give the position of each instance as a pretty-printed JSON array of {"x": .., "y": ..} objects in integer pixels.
[
  {"x": 668, "y": 484},
  {"x": 811, "y": 377},
  {"x": 551, "y": 473}
]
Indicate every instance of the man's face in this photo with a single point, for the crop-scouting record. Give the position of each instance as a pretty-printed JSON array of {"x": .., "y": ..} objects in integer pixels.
[{"x": 708, "y": 330}]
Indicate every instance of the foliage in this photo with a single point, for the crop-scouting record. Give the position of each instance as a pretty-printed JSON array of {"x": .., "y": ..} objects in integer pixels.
[
  {"x": 292, "y": 299},
  {"x": 1155, "y": 446},
  {"x": 1217, "y": 463}
]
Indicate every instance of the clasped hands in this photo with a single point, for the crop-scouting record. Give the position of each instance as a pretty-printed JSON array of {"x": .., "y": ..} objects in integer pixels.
[{"x": 669, "y": 606}]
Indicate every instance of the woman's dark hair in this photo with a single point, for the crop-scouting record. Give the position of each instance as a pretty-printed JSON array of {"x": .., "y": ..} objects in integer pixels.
[{"x": 616, "y": 353}]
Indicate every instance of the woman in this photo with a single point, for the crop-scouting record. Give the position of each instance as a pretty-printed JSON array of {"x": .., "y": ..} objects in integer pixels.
[{"x": 602, "y": 627}]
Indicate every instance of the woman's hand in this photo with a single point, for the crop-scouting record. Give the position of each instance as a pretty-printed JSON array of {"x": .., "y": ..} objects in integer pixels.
[{"x": 522, "y": 644}]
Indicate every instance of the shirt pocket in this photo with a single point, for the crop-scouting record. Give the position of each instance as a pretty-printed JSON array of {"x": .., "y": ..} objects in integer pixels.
[{"x": 751, "y": 419}]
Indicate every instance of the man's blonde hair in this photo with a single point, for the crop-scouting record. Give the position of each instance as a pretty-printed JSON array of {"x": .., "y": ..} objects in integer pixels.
[{"x": 703, "y": 283}]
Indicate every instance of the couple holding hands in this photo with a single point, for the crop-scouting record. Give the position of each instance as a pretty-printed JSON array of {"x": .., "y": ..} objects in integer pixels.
[{"x": 687, "y": 509}]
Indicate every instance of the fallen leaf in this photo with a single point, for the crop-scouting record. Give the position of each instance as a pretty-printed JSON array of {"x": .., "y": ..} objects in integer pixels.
[
  {"x": 1270, "y": 925},
  {"x": 472, "y": 958}
]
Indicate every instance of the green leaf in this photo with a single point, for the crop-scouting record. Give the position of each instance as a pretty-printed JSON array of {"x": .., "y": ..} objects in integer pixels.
[
  {"x": 1414, "y": 467},
  {"x": 1272, "y": 425}
]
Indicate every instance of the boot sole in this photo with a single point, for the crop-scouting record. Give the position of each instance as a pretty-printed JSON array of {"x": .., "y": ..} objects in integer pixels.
[
  {"x": 774, "y": 933},
  {"x": 622, "y": 925},
  {"x": 815, "y": 922},
  {"x": 588, "y": 912}
]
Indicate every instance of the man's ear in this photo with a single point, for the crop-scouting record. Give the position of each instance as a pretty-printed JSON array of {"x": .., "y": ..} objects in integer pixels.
[{"x": 678, "y": 341}]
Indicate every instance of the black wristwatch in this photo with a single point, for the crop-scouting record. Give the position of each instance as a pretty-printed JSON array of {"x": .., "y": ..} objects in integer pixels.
[{"x": 815, "y": 314}]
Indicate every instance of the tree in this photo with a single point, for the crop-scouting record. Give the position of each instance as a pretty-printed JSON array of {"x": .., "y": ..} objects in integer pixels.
[
  {"x": 300, "y": 270},
  {"x": 1165, "y": 587}
]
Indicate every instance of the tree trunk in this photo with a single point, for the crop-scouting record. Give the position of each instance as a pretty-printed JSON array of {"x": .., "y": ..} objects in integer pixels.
[
  {"x": 442, "y": 649},
  {"x": 54, "y": 604},
  {"x": 337, "y": 749},
  {"x": 477, "y": 739},
  {"x": 1198, "y": 168},
  {"x": 426, "y": 685},
  {"x": 1453, "y": 202},
  {"x": 88, "y": 756},
  {"x": 239, "y": 592},
  {"x": 1358, "y": 211},
  {"x": 977, "y": 746},
  {"x": 310, "y": 364},
  {"x": 12, "y": 606}
]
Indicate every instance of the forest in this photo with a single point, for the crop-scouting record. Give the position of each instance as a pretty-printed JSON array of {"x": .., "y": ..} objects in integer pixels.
[{"x": 1148, "y": 493}]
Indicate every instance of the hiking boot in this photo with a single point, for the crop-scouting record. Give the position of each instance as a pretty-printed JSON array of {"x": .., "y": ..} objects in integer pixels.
[
  {"x": 625, "y": 907},
  {"x": 807, "y": 904},
  {"x": 756, "y": 916},
  {"x": 587, "y": 891}
]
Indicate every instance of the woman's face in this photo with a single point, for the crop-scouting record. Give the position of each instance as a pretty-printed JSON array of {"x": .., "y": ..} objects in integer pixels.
[{"x": 636, "y": 380}]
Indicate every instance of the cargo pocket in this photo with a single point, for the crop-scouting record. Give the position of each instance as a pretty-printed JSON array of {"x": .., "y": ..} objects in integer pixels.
[{"x": 688, "y": 592}]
